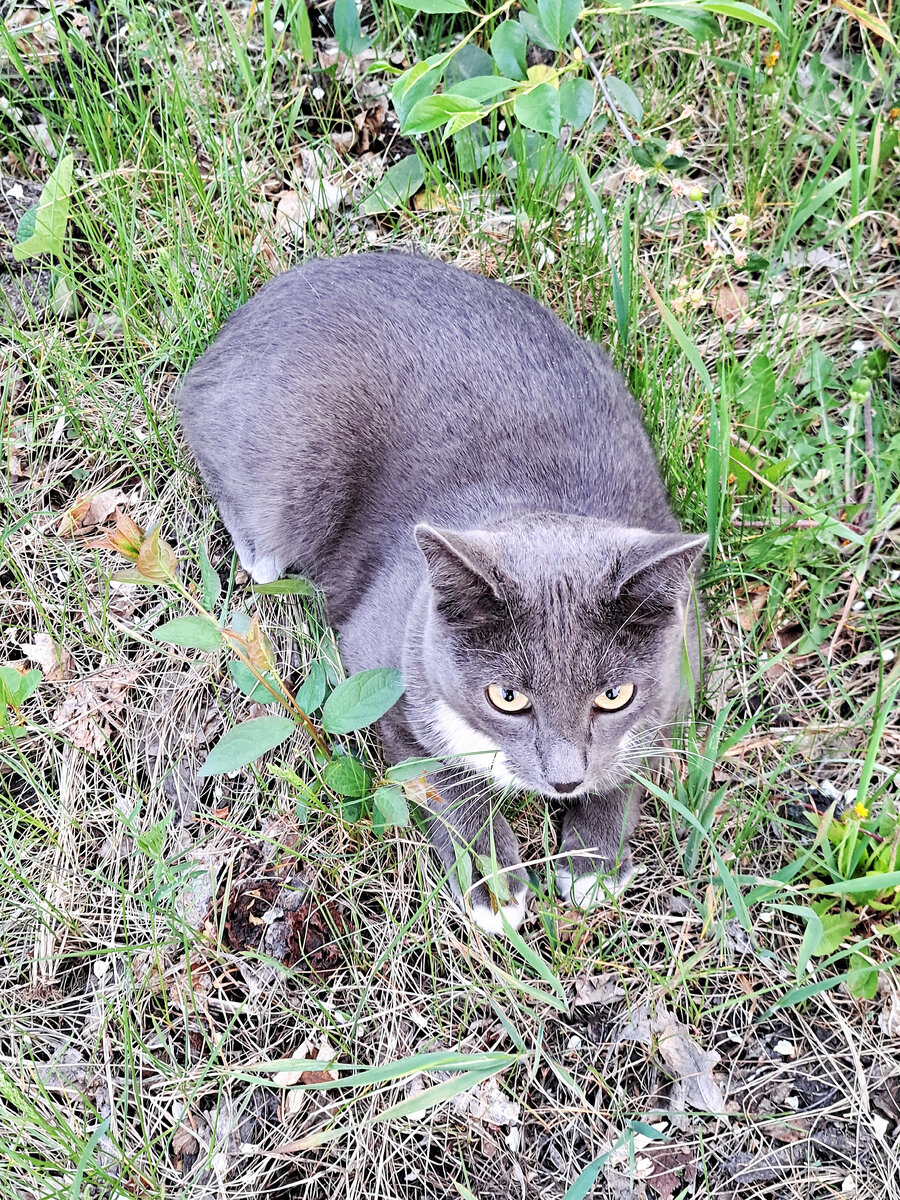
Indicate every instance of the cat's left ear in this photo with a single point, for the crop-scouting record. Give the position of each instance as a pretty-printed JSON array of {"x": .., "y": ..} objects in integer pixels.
[
  {"x": 656, "y": 572},
  {"x": 462, "y": 571}
]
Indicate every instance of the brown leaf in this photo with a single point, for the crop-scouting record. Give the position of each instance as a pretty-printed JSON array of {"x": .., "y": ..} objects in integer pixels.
[
  {"x": 690, "y": 1064},
  {"x": 54, "y": 660},
  {"x": 730, "y": 302},
  {"x": 90, "y": 511},
  {"x": 91, "y": 707},
  {"x": 156, "y": 560},
  {"x": 668, "y": 1163}
]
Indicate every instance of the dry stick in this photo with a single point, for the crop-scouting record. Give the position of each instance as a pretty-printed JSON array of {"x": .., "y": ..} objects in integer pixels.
[{"x": 723, "y": 242}]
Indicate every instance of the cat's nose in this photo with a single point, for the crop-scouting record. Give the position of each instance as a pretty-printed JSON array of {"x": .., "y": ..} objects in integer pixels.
[{"x": 565, "y": 788}]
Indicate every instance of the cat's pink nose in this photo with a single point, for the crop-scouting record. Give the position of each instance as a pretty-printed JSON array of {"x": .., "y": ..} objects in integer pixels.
[{"x": 565, "y": 788}]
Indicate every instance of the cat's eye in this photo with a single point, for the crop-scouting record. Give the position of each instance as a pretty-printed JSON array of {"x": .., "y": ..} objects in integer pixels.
[
  {"x": 507, "y": 699},
  {"x": 614, "y": 698}
]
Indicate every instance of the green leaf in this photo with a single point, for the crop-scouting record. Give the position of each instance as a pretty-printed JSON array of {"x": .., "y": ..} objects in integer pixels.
[
  {"x": 391, "y": 804},
  {"x": 538, "y": 109},
  {"x": 16, "y": 686},
  {"x": 193, "y": 633},
  {"x": 245, "y": 743},
  {"x": 509, "y": 46},
  {"x": 285, "y": 587},
  {"x": 347, "y": 29},
  {"x": 303, "y": 32},
  {"x": 557, "y": 18},
  {"x": 361, "y": 699},
  {"x": 459, "y": 124},
  {"x": 51, "y": 215},
  {"x": 468, "y": 62},
  {"x": 742, "y": 12},
  {"x": 482, "y": 87},
  {"x": 862, "y": 978},
  {"x": 347, "y": 776},
  {"x": 535, "y": 31},
  {"x": 250, "y": 685},
  {"x": 420, "y": 80},
  {"x": 866, "y": 883},
  {"x": 701, "y": 25},
  {"x": 25, "y": 227},
  {"x": 576, "y": 101},
  {"x": 756, "y": 396},
  {"x": 835, "y": 928},
  {"x": 413, "y": 768},
  {"x": 396, "y": 186},
  {"x": 436, "y": 6},
  {"x": 311, "y": 692},
  {"x": 625, "y": 98},
  {"x": 432, "y": 112},
  {"x": 212, "y": 586}
]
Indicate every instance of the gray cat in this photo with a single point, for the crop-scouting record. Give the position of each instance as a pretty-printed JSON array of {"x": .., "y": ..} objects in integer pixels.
[{"x": 471, "y": 486}]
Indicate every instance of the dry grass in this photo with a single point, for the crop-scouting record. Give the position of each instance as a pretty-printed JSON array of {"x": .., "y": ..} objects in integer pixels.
[{"x": 137, "y": 1012}]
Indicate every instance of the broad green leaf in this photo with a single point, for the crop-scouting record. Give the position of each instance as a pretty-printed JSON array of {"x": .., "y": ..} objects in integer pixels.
[
  {"x": 347, "y": 29},
  {"x": 576, "y": 101},
  {"x": 431, "y": 112},
  {"x": 509, "y": 46},
  {"x": 246, "y": 742},
  {"x": 347, "y": 776},
  {"x": 361, "y": 700},
  {"x": 193, "y": 633},
  {"x": 862, "y": 978},
  {"x": 391, "y": 804},
  {"x": 460, "y": 123},
  {"x": 469, "y": 62},
  {"x": 17, "y": 686},
  {"x": 625, "y": 98},
  {"x": 742, "y": 12},
  {"x": 557, "y": 18},
  {"x": 396, "y": 186},
  {"x": 482, "y": 87},
  {"x": 50, "y": 215},
  {"x": 212, "y": 586},
  {"x": 419, "y": 80},
  {"x": 285, "y": 587},
  {"x": 812, "y": 935},
  {"x": 251, "y": 686},
  {"x": 413, "y": 768},
  {"x": 436, "y": 6},
  {"x": 535, "y": 31},
  {"x": 25, "y": 227},
  {"x": 539, "y": 109},
  {"x": 311, "y": 692},
  {"x": 701, "y": 25},
  {"x": 835, "y": 928}
]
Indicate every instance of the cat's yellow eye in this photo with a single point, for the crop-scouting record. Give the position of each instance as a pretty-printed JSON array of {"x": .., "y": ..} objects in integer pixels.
[
  {"x": 507, "y": 699},
  {"x": 614, "y": 698}
]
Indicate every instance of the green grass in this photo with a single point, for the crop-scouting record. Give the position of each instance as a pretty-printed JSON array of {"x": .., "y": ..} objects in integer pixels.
[{"x": 138, "y": 1042}]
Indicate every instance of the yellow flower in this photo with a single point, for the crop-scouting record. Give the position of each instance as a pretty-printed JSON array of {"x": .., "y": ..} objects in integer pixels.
[{"x": 860, "y": 811}]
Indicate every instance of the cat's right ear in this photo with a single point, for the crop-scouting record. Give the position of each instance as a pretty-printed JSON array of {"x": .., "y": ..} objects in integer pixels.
[{"x": 463, "y": 573}]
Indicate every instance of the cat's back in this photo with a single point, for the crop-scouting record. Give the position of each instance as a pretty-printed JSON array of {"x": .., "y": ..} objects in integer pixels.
[{"x": 393, "y": 360}]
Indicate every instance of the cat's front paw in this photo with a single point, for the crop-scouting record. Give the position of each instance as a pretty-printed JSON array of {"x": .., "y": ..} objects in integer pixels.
[
  {"x": 588, "y": 883},
  {"x": 490, "y": 918}
]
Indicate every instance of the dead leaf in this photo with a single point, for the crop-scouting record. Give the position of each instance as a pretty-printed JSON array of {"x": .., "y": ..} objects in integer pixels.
[
  {"x": 54, "y": 660},
  {"x": 669, "y": 1162},
  {"x": 750, "y": 605},
  {"x": 689, "y": 1062},
  {"x": 92, "y": 706},
  {"x": 598, "y": 989},
  {"x": 90, "y": 511},
  {"x": 487, "y": 1103},
  {"x": 730, "y": 302},
  {"x": 889, "y": 1020}
]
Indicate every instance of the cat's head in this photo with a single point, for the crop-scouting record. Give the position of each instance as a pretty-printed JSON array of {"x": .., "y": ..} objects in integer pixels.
[{"x": 552, "y": 651}]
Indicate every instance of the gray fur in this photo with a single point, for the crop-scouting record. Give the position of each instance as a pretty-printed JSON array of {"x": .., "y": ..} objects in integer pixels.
[{"x": 470, "y": 484}]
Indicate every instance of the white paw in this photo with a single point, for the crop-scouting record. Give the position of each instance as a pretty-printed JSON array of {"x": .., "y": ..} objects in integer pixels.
[
  {"x": 492, "y": 922},
  {"x": 265, "y": 570},
  {"x": 590, "y": 891}
]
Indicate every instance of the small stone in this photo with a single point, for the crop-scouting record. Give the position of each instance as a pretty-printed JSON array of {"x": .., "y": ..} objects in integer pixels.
[
  {"x": 785, "y": 1049},
  {"x": 879, "y": 1125}
]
